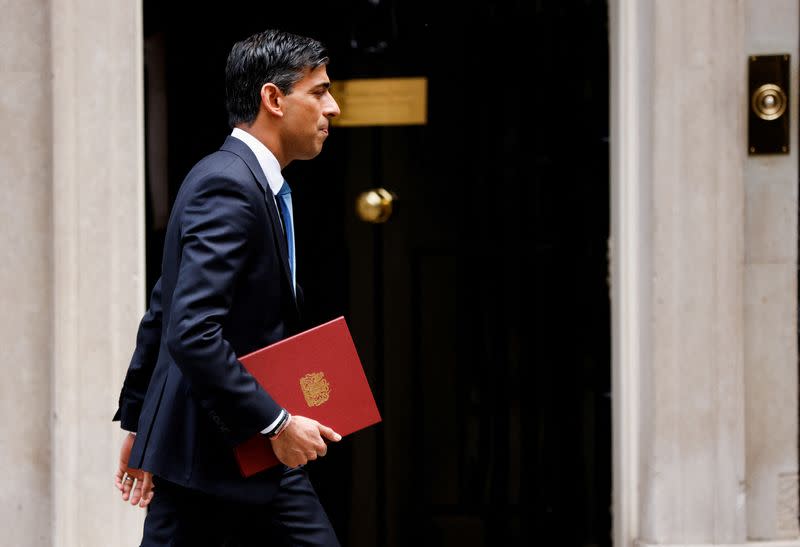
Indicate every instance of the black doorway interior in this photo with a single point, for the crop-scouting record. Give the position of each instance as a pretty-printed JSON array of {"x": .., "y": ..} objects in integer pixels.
[{"x": 481, "y": 308}]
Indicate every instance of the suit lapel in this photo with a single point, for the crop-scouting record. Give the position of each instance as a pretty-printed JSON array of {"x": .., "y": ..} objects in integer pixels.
[{"x": 235, "y": 146}]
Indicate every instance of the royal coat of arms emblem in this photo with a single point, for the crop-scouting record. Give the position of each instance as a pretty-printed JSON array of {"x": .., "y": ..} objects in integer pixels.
[{"x": 316, "y": 388}]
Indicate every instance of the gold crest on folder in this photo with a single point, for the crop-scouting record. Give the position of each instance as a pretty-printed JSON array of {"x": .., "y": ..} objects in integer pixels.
[{"x": 316, "y": 388}]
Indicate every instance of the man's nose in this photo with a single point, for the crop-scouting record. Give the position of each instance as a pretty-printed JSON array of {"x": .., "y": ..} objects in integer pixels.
[{"x": 333, "y": 108}]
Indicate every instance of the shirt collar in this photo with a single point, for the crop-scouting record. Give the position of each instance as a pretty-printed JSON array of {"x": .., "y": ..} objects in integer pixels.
[{"x": 268, "y": 162}]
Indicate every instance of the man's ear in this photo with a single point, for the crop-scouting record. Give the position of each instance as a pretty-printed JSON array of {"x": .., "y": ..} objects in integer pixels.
[{"x": 272, "y": 99}]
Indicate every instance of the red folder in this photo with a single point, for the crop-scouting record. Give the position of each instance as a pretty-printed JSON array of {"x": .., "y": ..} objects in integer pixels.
[{"x": 317, "y": 374}]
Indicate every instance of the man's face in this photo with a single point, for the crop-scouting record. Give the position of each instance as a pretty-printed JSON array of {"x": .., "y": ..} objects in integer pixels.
[{"x": 308, "y": 110}]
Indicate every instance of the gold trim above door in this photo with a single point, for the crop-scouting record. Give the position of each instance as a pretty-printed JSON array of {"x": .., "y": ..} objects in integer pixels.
[{"x": 381, "y": 101}]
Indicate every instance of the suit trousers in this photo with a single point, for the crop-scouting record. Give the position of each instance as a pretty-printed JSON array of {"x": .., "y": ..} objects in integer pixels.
[{"x": 180, "y": 516}]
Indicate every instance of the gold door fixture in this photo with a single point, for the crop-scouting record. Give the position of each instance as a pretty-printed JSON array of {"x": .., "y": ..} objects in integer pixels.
[
  {"x": 769, "y": 102},
  {"x": 375, "y": 206},
  {"x": 768, "y": 128}
]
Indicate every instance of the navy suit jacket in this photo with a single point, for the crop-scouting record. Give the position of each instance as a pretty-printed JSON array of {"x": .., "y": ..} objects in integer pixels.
[{"x": 225, "y": 291}]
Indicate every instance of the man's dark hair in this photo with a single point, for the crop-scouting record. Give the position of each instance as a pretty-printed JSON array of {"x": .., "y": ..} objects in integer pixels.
[{"x": 271, "y": 56}]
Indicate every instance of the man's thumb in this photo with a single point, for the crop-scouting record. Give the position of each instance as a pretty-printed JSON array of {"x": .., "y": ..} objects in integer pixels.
[{"x": 329, "y": 433}]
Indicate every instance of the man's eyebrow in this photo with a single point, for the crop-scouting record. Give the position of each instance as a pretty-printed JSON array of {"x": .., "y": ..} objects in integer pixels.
[{"x": 323, "y": 85}]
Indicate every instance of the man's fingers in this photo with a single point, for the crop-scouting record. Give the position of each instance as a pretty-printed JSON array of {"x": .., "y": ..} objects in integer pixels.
[
  {"x": 136, "y": 493},
  {"x": 127, "y": 485},
  {"x": 147, "y": 490},
  {"x": 118, "y": 476},
  {"x": 329, "y": 433}
]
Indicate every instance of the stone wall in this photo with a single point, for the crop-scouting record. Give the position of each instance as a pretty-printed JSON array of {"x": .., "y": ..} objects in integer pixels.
[
  {"x": 704, "y": 245},
  {"x": 26, "y": 277},
  {"x": 72, "y": 277}
]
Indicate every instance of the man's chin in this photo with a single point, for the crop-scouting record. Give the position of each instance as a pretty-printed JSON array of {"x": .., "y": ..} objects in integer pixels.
[{"x": 312, "y": 154}]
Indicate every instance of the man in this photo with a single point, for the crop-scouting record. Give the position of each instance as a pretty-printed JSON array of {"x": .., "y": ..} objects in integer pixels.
[{"x": 228, "y": 287}]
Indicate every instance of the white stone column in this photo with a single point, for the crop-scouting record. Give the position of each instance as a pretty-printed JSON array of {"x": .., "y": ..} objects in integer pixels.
[
  {"x": 631, "y": 75},
  {"x": 98, "y": 254},
  {"x": 26, "y": 273},
  {"x": 681, "y": 384},
  {"x": 704, "y": 242},
  {"x": 771, "y": 299},
  {"x": 692, "y": 406}
]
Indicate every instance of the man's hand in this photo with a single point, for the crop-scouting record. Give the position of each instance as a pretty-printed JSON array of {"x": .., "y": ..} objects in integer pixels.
[
  {"x": 302, "y": 440},
  {"x": 136, "y": 485}
]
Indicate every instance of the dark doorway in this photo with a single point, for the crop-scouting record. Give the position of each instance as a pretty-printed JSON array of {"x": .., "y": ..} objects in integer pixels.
[{"x": 481, "y": 308}]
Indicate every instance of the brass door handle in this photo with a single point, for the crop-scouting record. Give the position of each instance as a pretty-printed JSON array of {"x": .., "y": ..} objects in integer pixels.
[{"x": 375, "y": 206}]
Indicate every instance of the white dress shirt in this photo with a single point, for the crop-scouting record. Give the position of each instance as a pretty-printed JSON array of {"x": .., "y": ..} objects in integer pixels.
[{"x": 266, "y": 159}]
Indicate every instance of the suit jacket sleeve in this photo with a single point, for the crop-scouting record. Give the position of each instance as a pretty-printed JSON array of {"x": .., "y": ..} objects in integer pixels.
[
  {"x": 216, "y": 226},
  {"x": 137, "y": 379}
]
